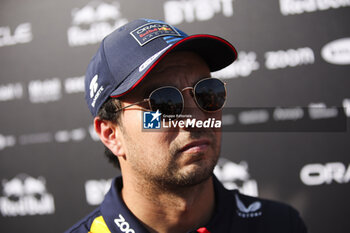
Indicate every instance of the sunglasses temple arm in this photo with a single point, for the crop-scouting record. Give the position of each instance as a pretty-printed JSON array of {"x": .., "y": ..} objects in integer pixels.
[{"x": 139, "y": 102}]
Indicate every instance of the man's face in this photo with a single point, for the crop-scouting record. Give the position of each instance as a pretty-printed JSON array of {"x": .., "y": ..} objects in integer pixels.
[{"x": 177, "y": 156}]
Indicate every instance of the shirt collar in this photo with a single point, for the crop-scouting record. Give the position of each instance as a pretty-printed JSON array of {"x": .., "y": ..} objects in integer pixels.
[
  {"x": 116, "y": 214},
  {"x": 224, "y": 212},
  {"x": 120, "y": 219}
]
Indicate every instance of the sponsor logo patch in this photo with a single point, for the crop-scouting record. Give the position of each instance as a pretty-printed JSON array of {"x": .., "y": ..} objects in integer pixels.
[
  {"x": 95, "y": 92},
  {"x": 151, "y": 59},
  {"x": 151, "y": 31},
  {"x": 251, "y": 211},
  {"x": 123, "y": 225}
]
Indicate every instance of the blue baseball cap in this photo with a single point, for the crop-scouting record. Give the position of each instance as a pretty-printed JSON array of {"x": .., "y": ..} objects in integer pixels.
[{"x": 128, "y": 54}]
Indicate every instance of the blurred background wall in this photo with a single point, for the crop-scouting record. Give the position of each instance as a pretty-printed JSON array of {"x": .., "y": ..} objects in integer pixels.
[{"x": 293, "y": 67}]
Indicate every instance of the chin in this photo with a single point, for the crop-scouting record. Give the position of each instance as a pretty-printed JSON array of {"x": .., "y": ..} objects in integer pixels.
[
  {"x": 190, "y": 174},
  {"x": 194, "y": 174}
]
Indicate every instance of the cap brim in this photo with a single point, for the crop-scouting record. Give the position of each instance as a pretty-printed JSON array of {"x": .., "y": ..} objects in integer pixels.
[{"x": 217, "y": 52}]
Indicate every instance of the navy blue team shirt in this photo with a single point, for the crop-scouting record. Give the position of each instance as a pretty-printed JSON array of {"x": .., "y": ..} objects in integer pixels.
[{"x": 234, "y": 213}]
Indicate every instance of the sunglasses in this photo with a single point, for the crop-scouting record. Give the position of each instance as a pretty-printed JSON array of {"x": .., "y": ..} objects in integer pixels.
[{"x": 208, "y": 93}]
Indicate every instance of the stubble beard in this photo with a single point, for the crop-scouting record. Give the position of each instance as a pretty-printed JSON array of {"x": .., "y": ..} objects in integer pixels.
[
  {"x": 177, "y": 178},
  {"x": 173, "y": 176}
]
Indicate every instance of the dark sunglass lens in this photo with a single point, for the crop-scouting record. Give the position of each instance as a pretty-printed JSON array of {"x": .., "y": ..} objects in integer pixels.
[
  {"x": 210, "y": 94},
  {"x": 167, "y": 100}
]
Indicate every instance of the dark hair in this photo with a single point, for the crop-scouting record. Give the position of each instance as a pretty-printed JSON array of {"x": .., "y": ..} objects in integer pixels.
[{"x": 108, "y": 112}]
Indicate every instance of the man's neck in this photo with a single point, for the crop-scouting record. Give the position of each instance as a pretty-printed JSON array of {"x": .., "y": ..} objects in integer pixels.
[{"x": 162, "y": 210}]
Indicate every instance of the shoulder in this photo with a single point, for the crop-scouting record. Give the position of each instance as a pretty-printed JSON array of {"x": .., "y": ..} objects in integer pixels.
[
  {"x": 84, "y": 225},
  {"x": 272, "y": 216},
  {"x": 98, "y": 219}
]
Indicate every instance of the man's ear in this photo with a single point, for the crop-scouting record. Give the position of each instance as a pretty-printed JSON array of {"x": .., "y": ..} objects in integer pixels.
[{"x": 110, "y": 135}]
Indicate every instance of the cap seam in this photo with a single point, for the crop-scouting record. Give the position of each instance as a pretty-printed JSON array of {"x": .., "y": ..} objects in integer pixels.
[{"x": 104, "y": 55}]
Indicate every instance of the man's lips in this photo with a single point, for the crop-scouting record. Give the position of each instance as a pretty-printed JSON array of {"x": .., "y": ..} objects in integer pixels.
[{"x": 196, "y": 146}]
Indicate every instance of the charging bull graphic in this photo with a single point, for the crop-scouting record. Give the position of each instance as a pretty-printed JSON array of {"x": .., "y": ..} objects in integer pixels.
[
  {"x": 95, "y": 12},
  {"x": 25, "y": 195},
  {"x": 91, "y": 23},
  {"x": 236, "y": 176}
]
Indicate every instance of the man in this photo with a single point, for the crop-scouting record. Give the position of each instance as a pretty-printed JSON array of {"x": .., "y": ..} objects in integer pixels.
[{"x": 167, "y": 182}]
